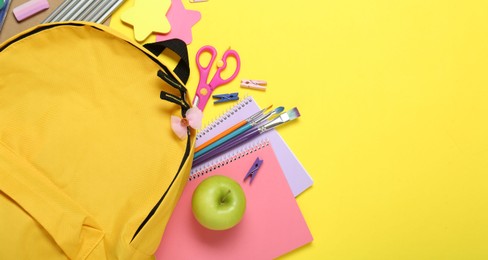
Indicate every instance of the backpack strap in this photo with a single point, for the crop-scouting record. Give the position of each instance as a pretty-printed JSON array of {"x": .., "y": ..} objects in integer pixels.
[
  {"x": 71, "y": 227},
  {"x": 182, "y": 70}
]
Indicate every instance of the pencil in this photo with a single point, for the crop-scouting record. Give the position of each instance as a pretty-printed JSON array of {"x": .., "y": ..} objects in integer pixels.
[
  {"x": 230, "y": 130},
  {"x": 88, "y": 11},
  {"x": 77, "y": 16},
  {"x": 66, "y": 11},
  {"x": 260, "y": 118},
  {"x": 57, "y": 12},
  {"x": 91, "y": 17},
  {"x": 223, "y": 140},
  {"x": 246, "y": 136},
  {"x": 108, "y": 12},
  {"x": 73, "y": 10}
]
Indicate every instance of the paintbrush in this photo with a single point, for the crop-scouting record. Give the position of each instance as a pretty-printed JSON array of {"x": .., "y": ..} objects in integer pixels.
[
  {"x": 258, "y": 120},
  {"x": 231, "y": 129},
  {"x": 255, "y": 132}
]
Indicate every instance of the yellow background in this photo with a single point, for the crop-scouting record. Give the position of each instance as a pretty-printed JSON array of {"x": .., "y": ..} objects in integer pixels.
[{"x": 394, "y": 104}]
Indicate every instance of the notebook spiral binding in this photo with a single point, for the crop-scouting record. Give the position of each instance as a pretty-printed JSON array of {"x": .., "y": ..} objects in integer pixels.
[
  {"x": 224, "y": 160},
  {"x": 242, "y": 104}
]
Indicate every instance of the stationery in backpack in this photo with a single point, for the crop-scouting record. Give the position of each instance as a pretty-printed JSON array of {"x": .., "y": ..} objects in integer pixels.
[
  {"x": 298, "y": 178},
  {"x": 272, "y": 224}
]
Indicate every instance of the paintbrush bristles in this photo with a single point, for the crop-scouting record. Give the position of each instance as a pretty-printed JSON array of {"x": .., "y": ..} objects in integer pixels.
[
  {"x": 283, "y": 118},
  {"x": 279, "y": 110},
  {"x": 293, "y": 113},
  {"x": 264, "y": 117}
]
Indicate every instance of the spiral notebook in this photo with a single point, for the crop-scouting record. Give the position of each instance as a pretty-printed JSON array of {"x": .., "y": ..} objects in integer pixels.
[
  {"x": 272, "y": 224},
  {"x": 296, "y": 175}
]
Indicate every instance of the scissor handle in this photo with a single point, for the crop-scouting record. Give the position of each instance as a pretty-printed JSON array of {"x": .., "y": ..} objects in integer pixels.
[
  {"x": 217, "y": 80},
  {"x": 204, "y": 90},
  {"x": 204, "y": 70}
]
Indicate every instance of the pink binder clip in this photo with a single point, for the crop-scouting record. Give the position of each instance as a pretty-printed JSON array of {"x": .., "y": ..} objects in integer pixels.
[
  {"x": 254, "y": 84},
  {"x": 254, "y": 170}
]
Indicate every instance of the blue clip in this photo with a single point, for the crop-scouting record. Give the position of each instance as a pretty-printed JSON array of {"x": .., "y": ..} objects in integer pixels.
[
  {"x": 254, "y": 169},
  {"x": 226, "y": 97}
]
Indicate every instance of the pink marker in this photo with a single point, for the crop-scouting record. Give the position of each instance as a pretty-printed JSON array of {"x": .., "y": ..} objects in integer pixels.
[{"x": 29, "y": 9}]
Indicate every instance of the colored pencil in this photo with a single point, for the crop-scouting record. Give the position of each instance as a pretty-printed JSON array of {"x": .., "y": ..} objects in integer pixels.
[
  {"x": 59, "y": 12},
  {"x": 77, "y": 15},
  {"x": 247, "y": 136},
  {"x": 259, "y": 119},
  {"x": 89, "y": 10},
  {"x": 106, "y": 13},
  {"x": 231, "y": 129},
  {"x": 73, "y": 10}
]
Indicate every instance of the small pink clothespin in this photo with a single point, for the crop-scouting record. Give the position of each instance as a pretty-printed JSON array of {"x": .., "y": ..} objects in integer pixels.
[{"x": 254, "y": 84}]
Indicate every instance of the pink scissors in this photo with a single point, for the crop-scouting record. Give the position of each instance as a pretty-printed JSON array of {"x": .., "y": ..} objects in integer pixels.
[{"x": 204, "y": 89}]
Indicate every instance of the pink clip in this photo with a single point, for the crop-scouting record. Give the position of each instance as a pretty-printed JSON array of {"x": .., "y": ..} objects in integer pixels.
[{"x": 254, "y": 84}]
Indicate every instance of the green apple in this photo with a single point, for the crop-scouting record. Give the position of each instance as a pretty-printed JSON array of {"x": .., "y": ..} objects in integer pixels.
[{"x": 218, "y": 203}]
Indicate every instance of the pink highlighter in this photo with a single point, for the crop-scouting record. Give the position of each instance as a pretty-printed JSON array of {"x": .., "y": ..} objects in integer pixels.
[{"x": 29, "y": 9}]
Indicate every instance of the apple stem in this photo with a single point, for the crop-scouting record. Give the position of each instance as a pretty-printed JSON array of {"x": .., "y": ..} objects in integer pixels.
[{"x": 225, "y": 197}]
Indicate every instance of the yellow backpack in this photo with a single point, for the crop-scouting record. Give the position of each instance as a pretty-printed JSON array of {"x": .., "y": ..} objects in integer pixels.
[{"x": 89, "y": 165}]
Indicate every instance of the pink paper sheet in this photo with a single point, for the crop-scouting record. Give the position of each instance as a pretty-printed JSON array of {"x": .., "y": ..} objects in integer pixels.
[{"x": 272, "y": 225}]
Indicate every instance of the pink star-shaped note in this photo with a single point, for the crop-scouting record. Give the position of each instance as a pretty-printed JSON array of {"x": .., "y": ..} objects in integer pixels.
[{"x": 181, "y": 20}]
